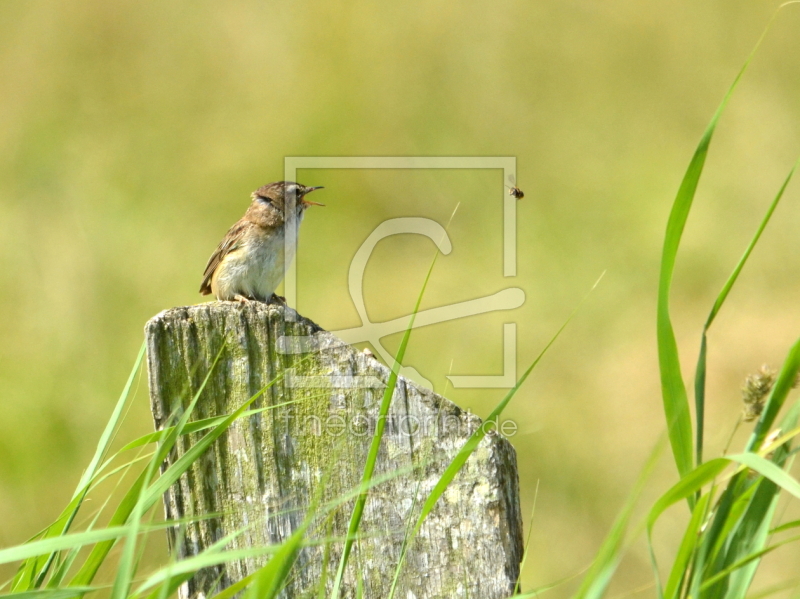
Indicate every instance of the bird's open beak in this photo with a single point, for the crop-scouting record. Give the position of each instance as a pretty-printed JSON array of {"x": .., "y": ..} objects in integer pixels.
[{"x": 308, "y": 191}]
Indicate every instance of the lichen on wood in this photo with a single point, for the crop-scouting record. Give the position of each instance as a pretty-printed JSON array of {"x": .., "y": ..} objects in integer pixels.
[{"x": 264, "y": 472}]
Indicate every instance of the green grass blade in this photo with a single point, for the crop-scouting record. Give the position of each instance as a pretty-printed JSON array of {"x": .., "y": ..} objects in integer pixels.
[
  {"x": 700, "y": 395},
  {"x": 269, "y": 580},
  {"x": 785, "y": 526},
  {"x": 372, "y": 455},
  {"x": 200, "y": 425},
  {"x": 111, "y": 427},
  {"x": 751, "y": 532},
  {"x": 66, "y": 515},
  {"x": 160, "y": 486},
  {"x": 704, "y": 474},
  {"x": 777, "y": 397},
  {"x": 596, "y": 581},
  {"x": 98, "y": 554},
  {"x": 125, "y": 567},
  {"x": 768, "y": 470},
  {"x": 70, "y": 593},
  {"x": 684, "y": 488},
  {"x": 326, "y": 558},
  {"x": 235, "y": 588},
  {"x": 471, "y": 445},
  {"x": 680, "y": 566},
  {"x": 182, "y": 464},
  {"x": 728, "y": 514},
  {"x": 36, "y": 569},
  {"x": 675, "y": 399},
  {"x": 70, "y": 540},
  {"x": 700, "y": 376},
  {"x": 169, "y": 586},
  {"x": 527, "y": 540},
  {"x": 751, "y": 536},
  {"x": 745, "y": 561},
  {"x": 189, "y": 565},
  {"x": 205, "y": 560},
  {"x": 58, "y": 576},
  {"x": 751, "y": 246}
]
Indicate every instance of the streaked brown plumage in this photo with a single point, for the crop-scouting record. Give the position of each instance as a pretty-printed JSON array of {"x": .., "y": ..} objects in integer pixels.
[{"x": 249, "y": 262}]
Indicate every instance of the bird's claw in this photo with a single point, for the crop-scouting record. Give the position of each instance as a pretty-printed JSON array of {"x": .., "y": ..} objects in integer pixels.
[{"x": 277, "y": 299}]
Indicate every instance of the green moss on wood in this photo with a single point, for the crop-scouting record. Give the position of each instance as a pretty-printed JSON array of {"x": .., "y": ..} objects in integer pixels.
[{"x": 262, "y": 474}]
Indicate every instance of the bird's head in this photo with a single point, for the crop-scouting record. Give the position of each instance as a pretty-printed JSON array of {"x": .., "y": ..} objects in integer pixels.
[{"x": 280, "y": 192}]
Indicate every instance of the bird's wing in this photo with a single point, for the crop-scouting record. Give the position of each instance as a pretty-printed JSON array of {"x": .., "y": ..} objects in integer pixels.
[{"x": 229, "y": 243}]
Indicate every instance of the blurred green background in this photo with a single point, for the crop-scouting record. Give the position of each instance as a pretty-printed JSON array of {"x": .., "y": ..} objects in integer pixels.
[{"x": 131, "y": 134}]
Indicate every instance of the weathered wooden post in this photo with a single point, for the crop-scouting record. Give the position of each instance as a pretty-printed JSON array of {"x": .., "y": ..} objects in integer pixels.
[{"x": 262, "y": 474}]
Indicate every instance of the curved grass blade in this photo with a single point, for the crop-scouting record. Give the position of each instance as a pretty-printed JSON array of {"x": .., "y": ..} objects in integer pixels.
[
  {"x": 785, "y": 526},
  {"x": 98, "y": 554},
  {"x": 527, "y": 540},
  {"x": 675, "y": 399},
  {"x": 608, "y": 557},
  {"x": 70, "y": 540},
  {"x": 269, "y": 580},
  {"x": 205, "y": 560},
  {"x": 704, "y": 474},
  {"x": 67, "y": 541},
  {"x": 200, "y": 425},
  {"x": 550, "y": 586},
  {"x": 786, "y": 585},
  {"x": 36, "y": 568},
  {"x": 744, "y": 562},
  {"x": 70, "y": 593},
  {"x": 700, "y": 373},
  {"x": 685, "y": 487},
  {"x": 125, "y": 567},
  {"x": 768, "y": 470},
  {"x": 688, "y": 546},
  {"x": 166, "y": 576},
  {"x": 383, "y": 412},
  {"x": 783, "y": 384},
  {"x": 741, "y": 522},
  {"x": 182, "y": 464},
  {"x": 72, "y": 508},
  {"x": 63, "y": 568},
  {"x": 111, "y": 427},
  {"x": 471, "y": 445},
  {"x": 169, "y": 587},
  {"x": 235, "y": 588}
]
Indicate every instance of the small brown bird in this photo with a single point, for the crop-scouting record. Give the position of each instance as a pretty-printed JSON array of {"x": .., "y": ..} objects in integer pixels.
[{"x": 249, "y": 262}]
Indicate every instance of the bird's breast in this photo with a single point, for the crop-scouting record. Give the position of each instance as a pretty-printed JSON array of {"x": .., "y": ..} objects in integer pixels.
[{"x": 266, "y": 256}]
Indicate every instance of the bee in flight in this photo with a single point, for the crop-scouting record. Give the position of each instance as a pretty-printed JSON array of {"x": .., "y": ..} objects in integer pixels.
[{"x": 513, "y": 190}]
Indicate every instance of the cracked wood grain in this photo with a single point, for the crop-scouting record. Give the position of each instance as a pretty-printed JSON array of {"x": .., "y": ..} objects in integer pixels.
[{"x": 263, "y": 473}]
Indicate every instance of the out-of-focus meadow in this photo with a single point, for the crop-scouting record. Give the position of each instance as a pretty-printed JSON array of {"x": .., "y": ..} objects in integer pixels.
[{"x": 131, "y": 134}]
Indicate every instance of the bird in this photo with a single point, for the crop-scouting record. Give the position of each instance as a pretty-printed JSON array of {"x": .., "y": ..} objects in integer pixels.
[{"x": 249, "y": 262}]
